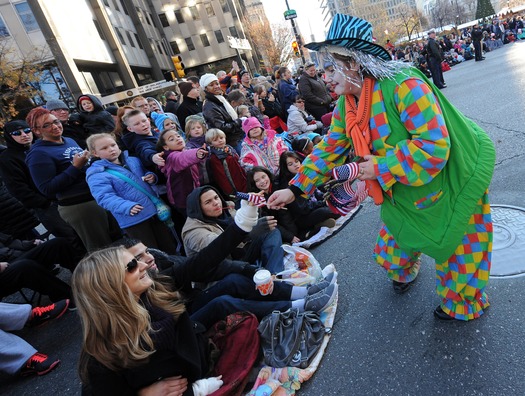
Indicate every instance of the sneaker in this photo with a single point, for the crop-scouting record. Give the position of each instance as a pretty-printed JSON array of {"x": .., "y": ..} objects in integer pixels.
[
  {"x": 41, "y": 315},
  {"x": 328, "y": 270},
  {"x": 39, "y": 364},
  {"x": 327, "y": 281},
  {"x": 318, "y": 302},
  {"x": 330, "y": 223}
]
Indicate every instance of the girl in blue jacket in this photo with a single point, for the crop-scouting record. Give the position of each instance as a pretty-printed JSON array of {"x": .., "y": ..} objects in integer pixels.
[{"x": 134, "y": 211}]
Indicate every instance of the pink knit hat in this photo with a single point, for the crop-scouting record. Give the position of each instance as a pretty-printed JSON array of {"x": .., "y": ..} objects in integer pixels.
[{"x": 249, "y": 124}]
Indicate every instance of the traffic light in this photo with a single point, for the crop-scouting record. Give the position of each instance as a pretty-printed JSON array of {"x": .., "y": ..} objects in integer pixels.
[
  {"x": 295, "y": 48},
  {"x": 170, "y": 76},
  {"x": 179, "y": 66}
]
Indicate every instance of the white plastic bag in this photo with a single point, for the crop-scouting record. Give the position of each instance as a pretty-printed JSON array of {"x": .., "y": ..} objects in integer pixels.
[{"x": 300, "y": 266}]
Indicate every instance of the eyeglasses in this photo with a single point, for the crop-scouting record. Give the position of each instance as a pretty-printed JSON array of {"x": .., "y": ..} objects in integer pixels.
[
  {"x": 27, "y": 131},
  {"x": 48, "y": 125},
  {"x": 59, "y": 110},
  {"x": 300, "y": 101},
  {"x": 132, "y": 265}
]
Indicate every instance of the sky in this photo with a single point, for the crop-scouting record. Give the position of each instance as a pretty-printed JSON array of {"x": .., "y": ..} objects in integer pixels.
[{"x": 309, "y": 16}]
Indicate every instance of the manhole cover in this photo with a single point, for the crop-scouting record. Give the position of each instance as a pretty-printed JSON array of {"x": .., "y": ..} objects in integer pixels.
[{"x": 508, "y": 249}]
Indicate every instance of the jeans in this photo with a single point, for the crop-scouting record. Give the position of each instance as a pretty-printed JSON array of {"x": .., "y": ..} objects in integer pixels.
[
  {"x": 266, "y": 248},
  {"x": 234, "y": 293}
]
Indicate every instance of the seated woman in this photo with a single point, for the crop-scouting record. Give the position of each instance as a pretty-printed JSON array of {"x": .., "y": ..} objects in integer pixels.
[
  {"x": 299, "y": 121},
  {"x": 309, "y": 214},
  {"x": 209, "y": 215},
  {"x": 261, "y": 179}
]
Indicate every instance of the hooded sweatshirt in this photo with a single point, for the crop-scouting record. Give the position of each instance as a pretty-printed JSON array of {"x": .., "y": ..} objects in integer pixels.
[
  {"x": 199, "y": 230},
  {"x": 97, "y": 121},
  {"x": 15, "y": 173}
]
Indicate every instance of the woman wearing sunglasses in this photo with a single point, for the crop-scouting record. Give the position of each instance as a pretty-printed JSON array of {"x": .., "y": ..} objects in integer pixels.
[
  {"x": 138, "y": 336},
  {"x": 299, "y": 121}
]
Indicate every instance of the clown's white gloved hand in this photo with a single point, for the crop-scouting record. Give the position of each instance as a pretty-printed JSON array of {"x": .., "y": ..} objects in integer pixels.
[
  {"x": 247, "y": 216},
  {"x": 206, "y": 386}
]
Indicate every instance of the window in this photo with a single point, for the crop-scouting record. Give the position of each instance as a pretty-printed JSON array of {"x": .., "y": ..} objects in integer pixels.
[
  {"x": 119, "y": 35},
  {"x": 99, "y": 29},
  {"x": 189, "y": 44},
  {"x": 179, "y": 17},
  {"x": 233, "y": 31},
  {"x": 225, "y": 6},
  {"x": 130, "y": 39},
  {"x": 149, "y": 18},
  {"x": 194, "y": 13},
  {"x": 209, "y": 10},
  {"x": 152, "y": 44},
  {"x": 219, "y": 36},
  {"x": 205, "y": 41},
  {"x": 3, "y": 29},
  {"x": 115, "y": 2},
  {"x": 123, "y": 7},
  {"x": 106, "y": 3},
  {"x": 27, "y": 17},
  {"x": 138, "y": 41},
  {"x": 164, "y": 20},
  {"x": 174, "y": 47},
  {"x": 159, "y": 47}
]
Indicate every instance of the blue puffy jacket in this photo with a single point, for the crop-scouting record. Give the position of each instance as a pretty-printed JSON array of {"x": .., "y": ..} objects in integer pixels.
[{"x": 117, "y": 195}]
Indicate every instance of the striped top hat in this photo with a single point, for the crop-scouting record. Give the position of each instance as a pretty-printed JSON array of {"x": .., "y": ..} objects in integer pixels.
[{"x": 349, "y": 32}]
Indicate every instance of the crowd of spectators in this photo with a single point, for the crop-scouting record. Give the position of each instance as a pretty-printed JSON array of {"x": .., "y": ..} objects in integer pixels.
[{"x": 173, "y": 178}]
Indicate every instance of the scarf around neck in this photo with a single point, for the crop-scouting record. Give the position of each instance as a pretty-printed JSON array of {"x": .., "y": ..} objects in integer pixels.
[
  {"x": 357, "y": 121},
  {"x": 231, "y": 111}
]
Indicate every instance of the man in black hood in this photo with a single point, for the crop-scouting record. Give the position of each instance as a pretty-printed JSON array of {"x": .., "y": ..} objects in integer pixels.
[
  {"x": 15, "y": 173},
  {"x": 209, "y": 215}
]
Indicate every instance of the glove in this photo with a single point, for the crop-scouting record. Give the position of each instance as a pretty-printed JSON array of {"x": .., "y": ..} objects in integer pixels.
[
  {"x": 246, "y": 216},
  {"x": 261, "y": 227},
  {"x": 343, "y": 198},
  {"x": 206, "y": 386}
]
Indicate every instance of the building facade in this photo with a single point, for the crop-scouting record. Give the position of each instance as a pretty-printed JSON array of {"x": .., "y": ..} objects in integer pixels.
[{"x": 117, "y": 49}]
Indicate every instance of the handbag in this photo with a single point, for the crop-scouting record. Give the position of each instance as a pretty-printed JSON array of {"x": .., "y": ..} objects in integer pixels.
[
  {"x": 291, "y": 338},
  {"x": 163, "y": 210}
]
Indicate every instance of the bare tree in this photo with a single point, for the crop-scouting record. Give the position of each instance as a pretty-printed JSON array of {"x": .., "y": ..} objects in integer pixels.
[
  {"x": 272, "y": 50},
  {"x": 19, "y": 78},
  {"x": 408, "y": 20}
]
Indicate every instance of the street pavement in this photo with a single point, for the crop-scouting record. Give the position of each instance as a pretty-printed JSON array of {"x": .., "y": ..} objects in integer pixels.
[{"x": 383, "y": 343}]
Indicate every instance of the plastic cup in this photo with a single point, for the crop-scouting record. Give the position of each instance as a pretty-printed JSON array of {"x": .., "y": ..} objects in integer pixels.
[{"x": 263, "y": 282}]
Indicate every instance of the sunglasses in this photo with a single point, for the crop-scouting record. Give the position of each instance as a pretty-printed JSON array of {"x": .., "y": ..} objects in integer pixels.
[
  {"x": 27, "y": 131},
  {"x": 132, "y": 265}
]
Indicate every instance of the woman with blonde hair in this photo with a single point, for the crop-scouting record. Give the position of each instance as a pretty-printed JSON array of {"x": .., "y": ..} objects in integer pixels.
[{"x": 136, "y": 331}]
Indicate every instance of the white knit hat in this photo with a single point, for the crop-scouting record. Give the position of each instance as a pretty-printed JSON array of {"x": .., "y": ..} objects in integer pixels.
[{"x": 207, "y": 79}]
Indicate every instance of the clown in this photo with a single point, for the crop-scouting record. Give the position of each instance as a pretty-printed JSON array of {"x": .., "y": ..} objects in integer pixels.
[{"x": 425, "y": 163}]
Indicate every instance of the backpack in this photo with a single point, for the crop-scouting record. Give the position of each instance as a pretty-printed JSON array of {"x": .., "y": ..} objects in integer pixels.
[{"x": 291, "y": 338}]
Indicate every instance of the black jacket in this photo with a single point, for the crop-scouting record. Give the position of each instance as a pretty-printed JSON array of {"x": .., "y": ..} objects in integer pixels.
[
  {"x": 171, "y": 106},
  {"x": 99, "y": 120},
  {"x": 217, "y": 116},
  {"x": 15, "y": 173},
  {"x": 314, "y": 93},
  {"x": 15, "y": 219},
  {"x": 189, "y": 106}
]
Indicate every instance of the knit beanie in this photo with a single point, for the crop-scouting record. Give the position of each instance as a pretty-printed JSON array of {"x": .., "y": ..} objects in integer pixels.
[
  {"x": 55, "y": 104},
  {"x": 249, "y": 124},
  {"x": 159, "y": 120},
  {"x": 207, "y": 79},
  {"x": 82, "y": 98},
  {"x": 185, "y": 88}
]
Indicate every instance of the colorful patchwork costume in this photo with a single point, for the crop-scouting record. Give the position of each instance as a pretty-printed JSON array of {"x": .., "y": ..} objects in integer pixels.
[{"x": 434, "y": 167}]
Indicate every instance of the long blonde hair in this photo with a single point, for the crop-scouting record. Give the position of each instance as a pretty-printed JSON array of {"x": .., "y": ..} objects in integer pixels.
[{"x": 116, "y": 327}]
